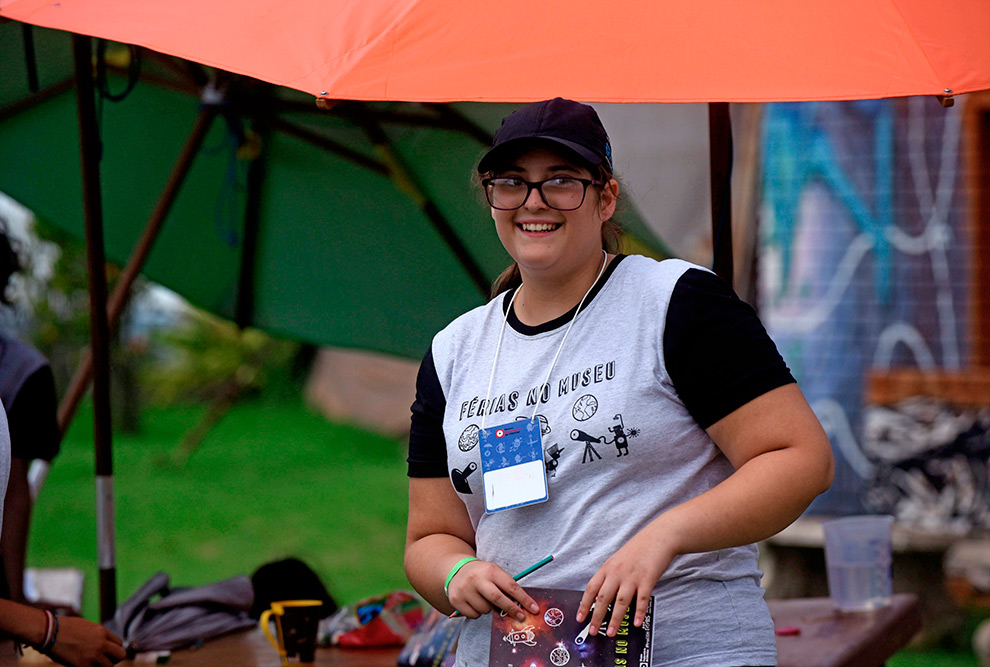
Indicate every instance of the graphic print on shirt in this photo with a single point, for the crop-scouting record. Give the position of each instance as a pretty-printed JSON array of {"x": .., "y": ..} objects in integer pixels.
[
  {"x": 553, "y": 451},
  {"x": 590, "y": 453},
  {"x": 459, "y": 478},
  {"x": 585, "y": 408},
  {"x": 509, "y": 402},
  {"x": 620, "y": 440},
  {"x": 544, "y": 424},
  {"x": 468, "y": 439}
]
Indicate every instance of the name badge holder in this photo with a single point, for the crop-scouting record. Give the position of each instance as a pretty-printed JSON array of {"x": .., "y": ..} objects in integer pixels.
[{"x": 512, "y": 467}]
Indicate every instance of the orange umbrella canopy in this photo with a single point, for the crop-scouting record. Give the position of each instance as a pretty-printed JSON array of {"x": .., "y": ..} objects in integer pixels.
[{"x": 520, "y": 50}]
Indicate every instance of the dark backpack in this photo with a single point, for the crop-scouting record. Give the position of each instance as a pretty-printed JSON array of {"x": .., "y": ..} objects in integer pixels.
[{"x": 288, "y": 579}]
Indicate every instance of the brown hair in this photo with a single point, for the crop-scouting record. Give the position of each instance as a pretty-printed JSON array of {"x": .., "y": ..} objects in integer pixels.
[{"x": 611, "y": 241}]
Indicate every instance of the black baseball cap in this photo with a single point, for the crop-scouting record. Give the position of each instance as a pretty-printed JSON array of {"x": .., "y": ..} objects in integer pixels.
[{"x": 570, "y": 124}]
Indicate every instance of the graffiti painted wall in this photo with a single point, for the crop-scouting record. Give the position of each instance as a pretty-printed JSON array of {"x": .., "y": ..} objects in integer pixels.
[{"x": 864, "y": 266}]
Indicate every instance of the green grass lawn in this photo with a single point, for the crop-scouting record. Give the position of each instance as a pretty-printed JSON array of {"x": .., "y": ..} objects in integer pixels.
[
  {"x": 274, "y": 479},
  {"x": 933, "y": 659}
]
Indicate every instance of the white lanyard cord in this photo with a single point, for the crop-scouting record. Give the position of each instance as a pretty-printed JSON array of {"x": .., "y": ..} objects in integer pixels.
[
  {"x": 491, "y": 378},
  {"x": 498, "y": 347}
]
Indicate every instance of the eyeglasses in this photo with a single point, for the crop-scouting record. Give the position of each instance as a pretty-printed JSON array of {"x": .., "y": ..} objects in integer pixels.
[{"x": 563, "y": 193}]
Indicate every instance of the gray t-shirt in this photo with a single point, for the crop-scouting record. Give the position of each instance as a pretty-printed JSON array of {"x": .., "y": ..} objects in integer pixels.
[
  {"x": 621, "y": 447},
  {"x": 4, "y": 460}
]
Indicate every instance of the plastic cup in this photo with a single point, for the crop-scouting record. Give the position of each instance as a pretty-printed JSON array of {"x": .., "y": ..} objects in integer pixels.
[{"x": 858, "y": 559}]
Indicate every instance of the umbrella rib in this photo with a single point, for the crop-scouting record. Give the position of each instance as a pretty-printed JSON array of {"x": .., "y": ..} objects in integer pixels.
[
  {"x": 180, "y": 66},
  {"x": 444, "y": 117},
  {"x": 468, "y": 263},
  {"x": 463, "y": 123},
  {"x": 910, "y": 30},
  {"x": 352, "y": 111},
  {"x": 30, "y": 56},
  {"x": 415, "y": 120},
  {"x": 405, "y": 182},
  {"x": 244, "y": 308},
  {"x": 182, "y": 86},
  {"x": 326, "y": 143},
  {"x": 36, "y": 99}
]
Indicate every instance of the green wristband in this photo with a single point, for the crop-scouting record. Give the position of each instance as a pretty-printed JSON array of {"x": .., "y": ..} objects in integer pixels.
[{"x": 454, "y": 570}]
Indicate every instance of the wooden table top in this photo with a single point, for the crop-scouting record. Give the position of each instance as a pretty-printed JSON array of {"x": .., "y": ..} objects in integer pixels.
[
  {"x": 831, "y": 638},
  {"x": 826, "y": 638},
  {"x": 251, "y": 649}
]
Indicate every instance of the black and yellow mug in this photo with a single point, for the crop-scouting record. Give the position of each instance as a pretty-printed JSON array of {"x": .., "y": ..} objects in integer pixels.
[{"x": 296, "y": 623}]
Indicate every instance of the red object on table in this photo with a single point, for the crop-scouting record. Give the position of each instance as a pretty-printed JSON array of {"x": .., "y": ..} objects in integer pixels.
[{"x": 832, "y": 638}]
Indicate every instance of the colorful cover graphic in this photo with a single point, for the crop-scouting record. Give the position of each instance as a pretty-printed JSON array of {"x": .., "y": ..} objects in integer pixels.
[{"x": 552, "y": 638}]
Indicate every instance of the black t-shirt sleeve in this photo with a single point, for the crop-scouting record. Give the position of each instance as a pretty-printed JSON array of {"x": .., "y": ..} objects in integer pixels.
[
  {"x": 427, "y": 446},
  {"x": 717, "y": 352},
  {"x": 32, "y": 419}
]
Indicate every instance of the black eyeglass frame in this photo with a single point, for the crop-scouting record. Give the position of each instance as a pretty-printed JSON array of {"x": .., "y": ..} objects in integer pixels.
[{"x": 539, "y": 188}]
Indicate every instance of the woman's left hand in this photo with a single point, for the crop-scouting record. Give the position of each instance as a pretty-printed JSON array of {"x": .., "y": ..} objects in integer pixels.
[
  {"x": 628, "y": 576},
  {"x": 782, "y": 460}
]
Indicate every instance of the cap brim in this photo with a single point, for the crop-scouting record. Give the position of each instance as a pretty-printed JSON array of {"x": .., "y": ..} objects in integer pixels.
[{"x": 505, "y": 149}]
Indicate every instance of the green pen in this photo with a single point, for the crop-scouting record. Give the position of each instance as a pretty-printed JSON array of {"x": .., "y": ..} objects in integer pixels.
[
  {"x": 533, "y": 568},
  {"x": 529, "y": 570}
]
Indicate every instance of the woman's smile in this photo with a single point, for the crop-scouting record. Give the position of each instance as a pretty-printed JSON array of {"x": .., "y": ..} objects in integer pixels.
[{"x": 538, "y": 228}]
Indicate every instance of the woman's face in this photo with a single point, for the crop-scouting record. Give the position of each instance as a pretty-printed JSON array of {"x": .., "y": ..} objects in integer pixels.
[{"x": 547, "y": 243}]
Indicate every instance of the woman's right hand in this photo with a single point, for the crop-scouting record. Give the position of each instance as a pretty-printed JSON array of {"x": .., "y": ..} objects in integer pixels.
[
  {"x": 82, "y": 643},
  {"x": 480, "y": 587}
]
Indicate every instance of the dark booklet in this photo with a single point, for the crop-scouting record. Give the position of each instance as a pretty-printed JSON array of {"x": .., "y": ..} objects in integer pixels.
[{"x": 552, "y": 638}]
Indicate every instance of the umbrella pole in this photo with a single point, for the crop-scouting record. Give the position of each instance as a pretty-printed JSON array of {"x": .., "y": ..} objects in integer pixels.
[
  {"x": 99, "y": 335},
  {"x": 720, "y": 158},
  {"x": 122, "y": 291}
]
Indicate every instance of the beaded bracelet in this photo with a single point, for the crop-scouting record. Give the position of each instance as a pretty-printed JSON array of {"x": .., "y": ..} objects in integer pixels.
[{"x": 454, "y": 570}]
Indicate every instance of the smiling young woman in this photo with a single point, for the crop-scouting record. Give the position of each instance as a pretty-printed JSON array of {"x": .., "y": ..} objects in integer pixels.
[
  {"x": 580, "y": 350},
  {"x": 599, "y": 182},
  {"x": 553, "y": 229}
]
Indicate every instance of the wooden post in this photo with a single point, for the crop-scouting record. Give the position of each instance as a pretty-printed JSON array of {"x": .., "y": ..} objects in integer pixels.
[{"x": 720, "y": 154}]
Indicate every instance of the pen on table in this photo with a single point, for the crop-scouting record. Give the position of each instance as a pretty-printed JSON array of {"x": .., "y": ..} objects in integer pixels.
[{"x": 529, "y": 570}]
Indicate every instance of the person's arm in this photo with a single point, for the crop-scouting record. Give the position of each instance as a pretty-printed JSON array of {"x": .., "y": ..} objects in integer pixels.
[
  {"x": 16, "y": 520},
  {"x": 78, "y": 643},
  {"x": 439, "y": 535},
  {"x": 439, "y": 532},
  {"x": 783, "y": 461},
  {"x": 34, "y": 434}
]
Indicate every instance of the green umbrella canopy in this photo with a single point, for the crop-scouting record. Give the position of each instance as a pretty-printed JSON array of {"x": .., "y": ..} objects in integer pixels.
[{"x": 320, "y": 225}]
